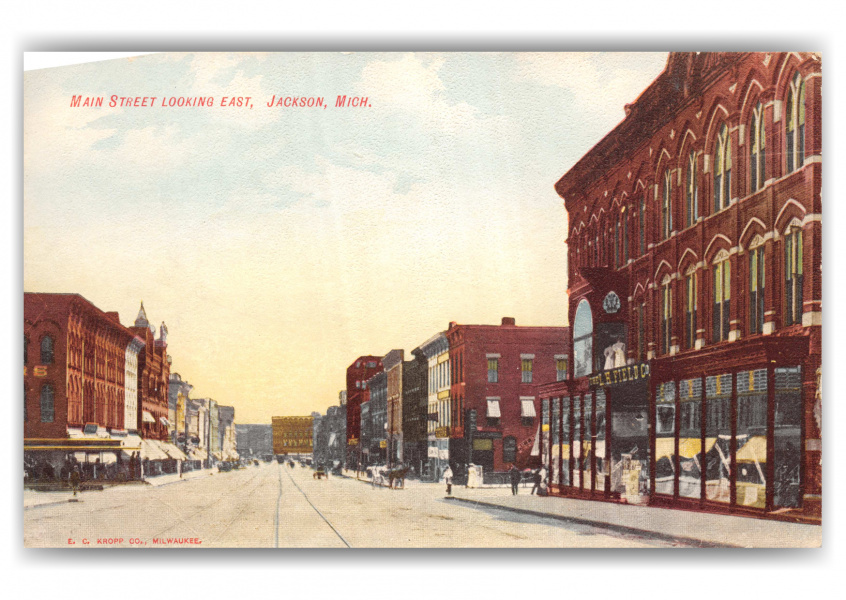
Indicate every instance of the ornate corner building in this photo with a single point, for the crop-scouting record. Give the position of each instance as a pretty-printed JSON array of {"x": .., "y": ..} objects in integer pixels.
[{"x": 694, "y": 253}]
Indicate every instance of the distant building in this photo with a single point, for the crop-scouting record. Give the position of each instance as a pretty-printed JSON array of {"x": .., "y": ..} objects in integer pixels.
[
  {"x": 254, "y": 440},
  {"x": 392, "y": 362},
  {"x": 362, "y": 369},
  {"x": 376, "y": 433},
  {"x": 179, "y": 392},
  {"x": 415, "y": 411},
  {"x": 153, "y": 379},
  {"x": 438, "y": 425},
  {"x": 226, "y": 429},
  {"x": 496, "y": 372},
  {"x": 293, "y": 435}
]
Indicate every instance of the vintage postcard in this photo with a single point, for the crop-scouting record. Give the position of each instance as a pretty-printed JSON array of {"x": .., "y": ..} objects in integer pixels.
[{"x": 418, "y": 300}]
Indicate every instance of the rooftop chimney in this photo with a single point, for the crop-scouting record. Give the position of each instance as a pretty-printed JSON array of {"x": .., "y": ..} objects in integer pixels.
[
  {"x": 452, "y": 324},
  {"x": 508, "y": 321}
]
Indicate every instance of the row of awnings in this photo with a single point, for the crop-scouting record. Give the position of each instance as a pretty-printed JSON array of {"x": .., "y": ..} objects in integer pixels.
[
  {"x": 147, "y": 417},
  {"x": 527, "y": 408},
  {"x": 158, "y": 450}
]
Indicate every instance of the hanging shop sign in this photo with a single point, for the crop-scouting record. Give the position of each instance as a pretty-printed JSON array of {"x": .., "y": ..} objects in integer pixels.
[
  {"x": 442, "y": 432},
  {"x": 627, "y": 374}
]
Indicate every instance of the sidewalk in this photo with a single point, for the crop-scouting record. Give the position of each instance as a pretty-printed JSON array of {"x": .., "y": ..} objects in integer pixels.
[
  {"x": 160, "y": 480},
  {"x": 688, "y": 527}
]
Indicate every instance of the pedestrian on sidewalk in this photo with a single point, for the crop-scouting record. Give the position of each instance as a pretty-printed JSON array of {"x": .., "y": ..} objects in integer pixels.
[
  {"x": 448, "y": 480},
  {"x": 74, "y": 479},
  {"x": 515, "y": 479},
  {"x": 540, "y": 477}
]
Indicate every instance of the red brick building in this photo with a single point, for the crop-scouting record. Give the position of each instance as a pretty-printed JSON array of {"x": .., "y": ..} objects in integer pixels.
[
  {"x": 153, "y": 379},
  {"x": 358, "y": 373},
  {"x": 695, "y": 292},
  {"x": 74, "y": 378},
  {"x": 496, "y": 373}
]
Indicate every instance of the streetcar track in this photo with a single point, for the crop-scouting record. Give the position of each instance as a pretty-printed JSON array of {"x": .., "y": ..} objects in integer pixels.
[
  {"x": 193, "y": 514},
  {"x": 322, "y": 516}
]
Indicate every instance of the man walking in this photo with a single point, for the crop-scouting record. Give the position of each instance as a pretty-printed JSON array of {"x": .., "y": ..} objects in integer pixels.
[
  {"x": 448, "y": 480},
  {"x": 515, "y": 479},
  {"x": 540, "y": 477}
]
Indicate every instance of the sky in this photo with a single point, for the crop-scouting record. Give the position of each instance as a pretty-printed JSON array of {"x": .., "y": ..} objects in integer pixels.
[{"x": 279, "y": 244}]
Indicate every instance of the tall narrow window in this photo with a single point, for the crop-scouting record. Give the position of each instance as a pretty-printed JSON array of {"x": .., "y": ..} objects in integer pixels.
[
  {"x": 757, "y": 148},
  {"x": 666, "y": 314},
  {"x": 642, "y": 224},
  {"x": 722, "y": 296},
  {"x": 692, "y": 191},
  {"x": 625, "y": 221},
  {"x": 666, "y": 205},
  {"x": 526, "y": 368},
  {"x": 26, "y": 348},
  {"x": 795, "y": 124},
  {"x": 46, "y": 350},
  {"x": 493, "y": 370},
  {"x": 756, "y": 290},
  {"x": 560, "y": 369},
  {"x": 641, "y": 333},
  {"x": 722, "y": 170},
  {"x": 690, "y": 311},
  {"x": 793, "y": 276},
  {"x": 583, "y": 340},
  {"x": 47, "y": 403},
  {"x": 617, "y": 241}
]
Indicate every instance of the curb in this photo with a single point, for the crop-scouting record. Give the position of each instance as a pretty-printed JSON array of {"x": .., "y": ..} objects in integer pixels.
[{"x": 624, "y": 529}]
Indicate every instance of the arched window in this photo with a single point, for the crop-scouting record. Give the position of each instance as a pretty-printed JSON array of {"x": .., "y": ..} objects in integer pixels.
[
  {"x": 583, "y": 340},
  {"x": 625, "y": 220},
  {"x": 666, "y": 314},
  {"x": 756, "y": 290},
  {"x": 666, "y": 205},
  {"x": 617, "y": 241},
  {"x": 795, "y": 124},
  {"x": 722, "y": 170},
  {"x": 690, "y": 310},
  {"x": 692, "y": 191},
  {"x": 722, "y": 296},
  {"x": 46, "y": 350},
  {"x": 757, "y": 144},
  {"x": 642, "y": 225},
  {"x": 47, "y": 403},
  {"x": 793, "y": 278}
]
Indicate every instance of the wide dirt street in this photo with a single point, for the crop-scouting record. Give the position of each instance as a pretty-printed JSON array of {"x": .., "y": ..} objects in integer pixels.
[{"x": 273, "y": 506}]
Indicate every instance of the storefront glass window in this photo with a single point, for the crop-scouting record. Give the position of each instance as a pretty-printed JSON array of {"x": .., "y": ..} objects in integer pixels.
[
  {"x": 690, "y": 438},
  {"x": 665, "y": 438},
  {"x": 752, "y": 438},
  {"x": 599, "y": 451},
  {"x": 787, "y": 437},
  {"x": 587, "y": 448},
  {"x": 718, "y": 438},
  {"x": 577, "y": 441},
  {"x": 583, "y": 340},
  {"x": 565, "y": 441},
  {"x": 556, "y": 447}
]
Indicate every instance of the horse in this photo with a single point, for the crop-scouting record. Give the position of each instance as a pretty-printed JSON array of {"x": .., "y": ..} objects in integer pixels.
[{"x": 397, "y": 475}]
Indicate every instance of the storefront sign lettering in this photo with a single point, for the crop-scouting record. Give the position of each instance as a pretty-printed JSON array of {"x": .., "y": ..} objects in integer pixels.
[
  {"x": 442, "y": 432},
  {"x": 629, "y": 373}
]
